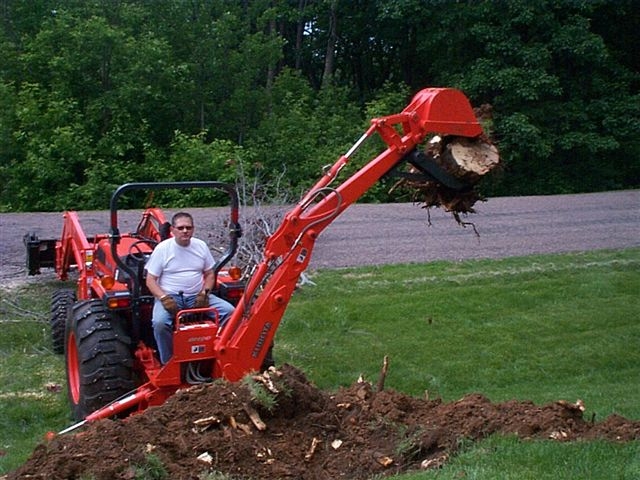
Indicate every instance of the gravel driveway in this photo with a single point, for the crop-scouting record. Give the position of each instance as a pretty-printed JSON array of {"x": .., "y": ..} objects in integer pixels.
[
  {"x": 400, "y": 233},
  {"x": 507, "y": 227}
]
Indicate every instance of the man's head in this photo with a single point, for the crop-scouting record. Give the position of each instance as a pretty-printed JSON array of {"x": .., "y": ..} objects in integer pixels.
[{"x": 182, "y": 228}]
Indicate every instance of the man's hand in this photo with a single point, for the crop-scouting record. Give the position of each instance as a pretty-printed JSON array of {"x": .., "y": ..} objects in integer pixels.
[
  {"x": 169, "y": 304},
  {"x": 202, "y": 300}
]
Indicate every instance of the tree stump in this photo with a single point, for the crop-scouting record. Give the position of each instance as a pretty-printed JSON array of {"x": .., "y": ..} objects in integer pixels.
[{"x": 467, "y": 160}]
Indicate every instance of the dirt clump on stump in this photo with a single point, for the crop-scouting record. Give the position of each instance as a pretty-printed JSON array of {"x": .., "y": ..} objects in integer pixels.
[{"x": 301, "y": 433}]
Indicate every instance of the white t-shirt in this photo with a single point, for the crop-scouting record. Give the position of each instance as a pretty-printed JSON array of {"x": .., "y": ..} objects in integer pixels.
[{"x": 180, "y": 268}]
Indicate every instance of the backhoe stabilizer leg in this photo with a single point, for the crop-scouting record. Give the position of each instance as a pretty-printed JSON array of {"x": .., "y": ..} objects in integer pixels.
[
  {"x": 115, "y": 408},
  {"x": 122, "y": 405}
]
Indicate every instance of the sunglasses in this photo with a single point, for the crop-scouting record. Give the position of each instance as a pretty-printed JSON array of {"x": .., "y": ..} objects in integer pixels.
[{"x": 184, "y": 227}]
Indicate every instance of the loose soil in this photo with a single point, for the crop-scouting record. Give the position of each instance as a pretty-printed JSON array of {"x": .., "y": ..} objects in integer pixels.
[{"x": 355, "y": 433}]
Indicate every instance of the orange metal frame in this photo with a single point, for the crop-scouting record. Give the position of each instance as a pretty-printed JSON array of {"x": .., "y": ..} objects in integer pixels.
[{"x": 243, "y": 343}]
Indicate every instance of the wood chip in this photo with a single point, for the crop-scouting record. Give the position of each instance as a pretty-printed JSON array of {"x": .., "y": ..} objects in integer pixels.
[
  {"x": 244, "y": 428},
  {"x": 383, "y": 460},
  {"x": 232, "y": 422},
  {"x": 579, "y": 405},
  {"x": 558, "y": 435},
  {"x": 205, "y": 458},
  {"x": 206, "y": 421},
  {"x": 202, "y": 424},
  {"x": 312, "y": 449},
  {"x": 265, "y": 456},
  {"x": 436, "y": 462},
  {"x": 265, "y": 380},
  {"x": 255, "y": 418}
]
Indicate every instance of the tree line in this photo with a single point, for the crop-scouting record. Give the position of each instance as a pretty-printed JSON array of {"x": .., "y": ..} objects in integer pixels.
[{"x": 96, "y": 93}]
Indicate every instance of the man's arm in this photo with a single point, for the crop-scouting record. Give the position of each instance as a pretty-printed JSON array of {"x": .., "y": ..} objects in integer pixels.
[
  {"x": 168, "y": 302},
  {"x": 154, "y": 288},
  {"x": 202, "y": 299},
  {"x": 208, "y": 280}
]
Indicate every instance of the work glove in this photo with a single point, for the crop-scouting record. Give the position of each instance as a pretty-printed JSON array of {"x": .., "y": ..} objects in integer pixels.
[
  {"x": 202, "y": 300},
  {"x": 169, "y": 304}
]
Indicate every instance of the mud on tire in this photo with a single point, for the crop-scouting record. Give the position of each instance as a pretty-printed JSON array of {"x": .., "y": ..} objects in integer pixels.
[
  {"x": 61, "y": 309},
  {"x": 99, "y": 360}
]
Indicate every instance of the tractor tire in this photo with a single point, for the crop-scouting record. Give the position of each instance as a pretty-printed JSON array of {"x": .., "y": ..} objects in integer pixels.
[
  {"x": 61, "y": 308},
  {"x": 99, "y": 359}
]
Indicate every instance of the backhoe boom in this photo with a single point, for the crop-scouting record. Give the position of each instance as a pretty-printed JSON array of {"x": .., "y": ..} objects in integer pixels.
[{"x": 245, "y": 341}]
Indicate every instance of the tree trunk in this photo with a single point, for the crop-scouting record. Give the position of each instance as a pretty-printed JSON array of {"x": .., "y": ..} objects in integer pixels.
[
  {"x": 271, "y": 69},
  {"x": 300, "y": 33},
  {"x": 329, "y": 60}
]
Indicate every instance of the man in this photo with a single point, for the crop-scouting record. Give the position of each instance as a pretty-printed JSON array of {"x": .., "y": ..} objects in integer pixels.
[{"x": 179, "y": 276}]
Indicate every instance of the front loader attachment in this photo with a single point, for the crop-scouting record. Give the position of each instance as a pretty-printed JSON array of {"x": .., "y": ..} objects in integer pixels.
[{"x": 40, "y": 253}]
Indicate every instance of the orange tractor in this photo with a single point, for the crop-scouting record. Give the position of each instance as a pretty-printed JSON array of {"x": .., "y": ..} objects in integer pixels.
[{"x": 104, "y": 327}]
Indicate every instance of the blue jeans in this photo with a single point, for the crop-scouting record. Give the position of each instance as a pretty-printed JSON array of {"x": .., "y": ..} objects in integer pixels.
[{"x": 162, "y": 320}]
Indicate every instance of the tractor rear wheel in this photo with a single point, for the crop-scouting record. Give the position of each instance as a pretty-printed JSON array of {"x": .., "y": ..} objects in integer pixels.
[
  {"x": 99, "y": 359},
  {"x": 61, "y": 306}
]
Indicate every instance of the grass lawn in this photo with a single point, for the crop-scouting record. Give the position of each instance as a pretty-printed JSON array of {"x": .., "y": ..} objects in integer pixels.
[{"x": 540, "y": 328}]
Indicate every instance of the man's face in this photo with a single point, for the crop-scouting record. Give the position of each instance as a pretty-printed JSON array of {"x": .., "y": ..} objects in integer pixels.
[{"x": 182, "y": 231}]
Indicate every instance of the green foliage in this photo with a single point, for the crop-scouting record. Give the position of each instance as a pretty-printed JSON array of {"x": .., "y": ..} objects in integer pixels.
[
  {"x": 303, "y": 131},
  {"x": 259, "y": 394},
  {"x": 151, "y": 469},
  {"x": 193, "y": 159},
  {"x": 8, "y": 143},
  {"x": 549, "y": 78},
  {"x": 392, "y": 97},
  {"x": 92, "y": 92},
  {"x": 51, "y": 135}
]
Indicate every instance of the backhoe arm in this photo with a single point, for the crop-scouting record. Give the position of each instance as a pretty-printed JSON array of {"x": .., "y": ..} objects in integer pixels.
[{"x": 246, "y": 339}]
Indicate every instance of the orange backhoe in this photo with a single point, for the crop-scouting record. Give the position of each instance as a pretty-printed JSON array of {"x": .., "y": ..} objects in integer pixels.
[{"x": 104, "y": 326}]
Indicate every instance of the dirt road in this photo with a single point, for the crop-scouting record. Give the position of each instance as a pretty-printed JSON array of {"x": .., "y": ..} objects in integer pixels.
[
  {"x": 507, "y": 227},
  {"x": 400, "y": 233}
]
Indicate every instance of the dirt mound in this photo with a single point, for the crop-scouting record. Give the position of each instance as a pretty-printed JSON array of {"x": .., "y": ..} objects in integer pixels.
[{"x": 356, "y": 433}]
